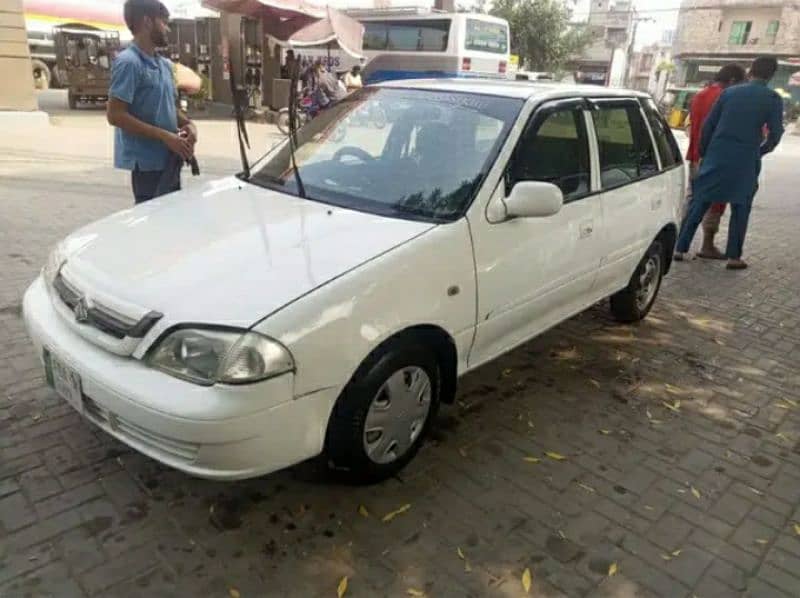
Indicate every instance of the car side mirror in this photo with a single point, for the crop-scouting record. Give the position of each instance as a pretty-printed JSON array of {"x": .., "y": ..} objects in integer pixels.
[{"x": 534, "y": 199}]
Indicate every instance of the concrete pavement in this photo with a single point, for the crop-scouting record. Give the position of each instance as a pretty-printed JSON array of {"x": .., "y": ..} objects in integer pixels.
[{"x": 680, "y": 438}]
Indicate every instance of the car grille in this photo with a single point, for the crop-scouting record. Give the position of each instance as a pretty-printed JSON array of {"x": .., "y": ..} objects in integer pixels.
[
  {"x": 100, "y": 317},
  {"x": 178, "y": 449}
]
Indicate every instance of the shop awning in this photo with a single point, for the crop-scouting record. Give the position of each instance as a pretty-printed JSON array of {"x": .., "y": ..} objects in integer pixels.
[{"x": 299, "y": 24}]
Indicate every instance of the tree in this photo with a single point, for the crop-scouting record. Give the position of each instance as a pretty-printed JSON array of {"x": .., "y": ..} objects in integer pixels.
[{"x": 541, "y": 32}]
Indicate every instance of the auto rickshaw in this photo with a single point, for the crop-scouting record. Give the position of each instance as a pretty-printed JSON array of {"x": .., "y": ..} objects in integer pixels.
[
  {"x": 85, "y": 54},
  {"x": 675, "y": 105}
]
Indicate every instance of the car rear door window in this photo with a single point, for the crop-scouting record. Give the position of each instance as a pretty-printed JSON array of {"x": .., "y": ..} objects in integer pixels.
[
  {"x": 626, "y": 149},
  {"x": 668, "y": 148},
  {"x": 554, "y": 149}
]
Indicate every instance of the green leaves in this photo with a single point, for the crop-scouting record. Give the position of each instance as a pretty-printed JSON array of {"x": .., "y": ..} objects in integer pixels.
[{"x": 541, "y": 33}]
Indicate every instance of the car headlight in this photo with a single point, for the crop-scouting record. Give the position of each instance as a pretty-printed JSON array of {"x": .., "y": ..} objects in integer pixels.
[{"x": 207, "y": 356}]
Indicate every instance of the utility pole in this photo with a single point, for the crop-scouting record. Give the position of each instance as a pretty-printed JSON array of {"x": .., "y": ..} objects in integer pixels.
[{"x": 636, "y": 20}]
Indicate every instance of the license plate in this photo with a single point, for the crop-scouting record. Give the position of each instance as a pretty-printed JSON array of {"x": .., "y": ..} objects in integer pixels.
[{"x": 65, "y": 380}]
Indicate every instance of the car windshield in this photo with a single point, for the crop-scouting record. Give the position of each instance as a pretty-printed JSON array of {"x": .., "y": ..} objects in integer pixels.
[{"x": 396, "y": 152}]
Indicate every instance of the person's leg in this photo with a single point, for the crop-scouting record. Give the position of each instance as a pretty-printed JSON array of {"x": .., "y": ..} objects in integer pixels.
[
  {"x": 737, "y": 230},
  {"x": 711, "y": 222},
  {"x": 697, "y": 209},
  {"x": 144, "y": 183}
]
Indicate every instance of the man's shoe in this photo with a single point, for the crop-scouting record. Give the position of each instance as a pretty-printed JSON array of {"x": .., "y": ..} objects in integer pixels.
[
  {"x": 711, "y": 253},
  {"x": 736, "y": 265},
  {"x": 680, "y": 257}
]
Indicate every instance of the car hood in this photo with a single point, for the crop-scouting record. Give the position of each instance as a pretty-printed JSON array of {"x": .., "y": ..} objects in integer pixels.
[{"x": 227, "y": 252}]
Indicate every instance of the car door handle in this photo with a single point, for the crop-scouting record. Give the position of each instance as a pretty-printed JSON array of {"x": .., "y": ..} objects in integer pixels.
[{"x": 586, "y": 229}]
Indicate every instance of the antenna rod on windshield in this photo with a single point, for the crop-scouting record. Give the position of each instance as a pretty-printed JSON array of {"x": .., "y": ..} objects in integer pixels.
[{"x": 241, "y": 129}]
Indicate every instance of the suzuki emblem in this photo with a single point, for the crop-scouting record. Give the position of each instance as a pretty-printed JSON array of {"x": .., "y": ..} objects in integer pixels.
[{"x": 81, "y": 310}]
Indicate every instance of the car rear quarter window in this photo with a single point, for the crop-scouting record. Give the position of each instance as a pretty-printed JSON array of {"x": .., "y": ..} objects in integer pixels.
[
  {"x": 668, "y": 148},
  {"x": 626, "y": 150}
]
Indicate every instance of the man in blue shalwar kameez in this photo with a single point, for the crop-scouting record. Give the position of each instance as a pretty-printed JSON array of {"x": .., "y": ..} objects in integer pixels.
[{"x": 731, "y": 148}]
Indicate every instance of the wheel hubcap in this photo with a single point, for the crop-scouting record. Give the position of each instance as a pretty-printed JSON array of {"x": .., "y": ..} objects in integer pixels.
[
  {"x": 648, "y": 282},
  {"x": 397, "y": 415}
]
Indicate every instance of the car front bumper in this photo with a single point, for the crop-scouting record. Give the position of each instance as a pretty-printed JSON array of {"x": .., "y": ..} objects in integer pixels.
[{"x": 217, "y": 432}]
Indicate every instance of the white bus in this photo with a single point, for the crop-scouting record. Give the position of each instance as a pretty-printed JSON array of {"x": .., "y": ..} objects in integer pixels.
[{"x": 429, "y": 45}]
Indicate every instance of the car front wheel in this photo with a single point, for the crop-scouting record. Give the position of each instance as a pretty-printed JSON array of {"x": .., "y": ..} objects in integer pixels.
[
  {"x": 381, "y": 418},
  {"x": 634, "y": 302}
]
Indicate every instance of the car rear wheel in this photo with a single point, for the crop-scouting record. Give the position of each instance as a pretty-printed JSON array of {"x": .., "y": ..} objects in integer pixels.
[
  {"x": 381, "y": 418},
  {"x": 635, "y": 301},
  {"x": 72, "y": 101}
]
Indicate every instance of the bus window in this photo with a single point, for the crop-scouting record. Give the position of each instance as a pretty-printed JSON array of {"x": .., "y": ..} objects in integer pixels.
[
  {"x": 375, "y": 35},
  {"x": 411, "y": 36},
  {"x": 483, "y": 36},
  {"x": 434, "y": 35},
  {"x": 403, "y": 36}
]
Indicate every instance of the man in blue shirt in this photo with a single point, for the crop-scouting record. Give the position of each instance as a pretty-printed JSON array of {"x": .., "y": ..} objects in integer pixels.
[
  {"x": 731, "y": 147},
  {"x": 151, "y": 134}
]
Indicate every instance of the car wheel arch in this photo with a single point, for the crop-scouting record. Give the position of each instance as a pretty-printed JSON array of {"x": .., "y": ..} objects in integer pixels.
[
  {"x": 443, "y": 345},
  {"x": 668, "y": 237}
]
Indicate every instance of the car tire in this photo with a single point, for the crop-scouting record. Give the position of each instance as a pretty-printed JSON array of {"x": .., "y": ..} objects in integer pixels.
[
  {"x": 41, "y": 74},
  {"x": 352, "y": 449},
  {"x": 72, "y": 101},
  {"x": 282, "y": 121},
  {"x": 634, "y": 302}
]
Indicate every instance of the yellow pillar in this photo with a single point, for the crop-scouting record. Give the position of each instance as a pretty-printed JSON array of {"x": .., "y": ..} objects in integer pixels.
[{"x": 16, "y": 73}]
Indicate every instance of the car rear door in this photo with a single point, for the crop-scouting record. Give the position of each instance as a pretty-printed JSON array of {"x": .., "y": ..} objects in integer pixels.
[
  {"x": 534, "y": 272},
  {"x": 631, "y": 188}
]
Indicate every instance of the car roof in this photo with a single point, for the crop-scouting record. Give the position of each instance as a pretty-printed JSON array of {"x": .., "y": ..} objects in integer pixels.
[{"x": 523, "y": 90}]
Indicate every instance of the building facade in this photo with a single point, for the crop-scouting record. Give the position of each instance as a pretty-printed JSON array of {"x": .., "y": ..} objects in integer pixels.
[
  {"x": 712, "y": 33},
  {"x": 651, "y": 69},
  {"x": 603, "y": 61}
]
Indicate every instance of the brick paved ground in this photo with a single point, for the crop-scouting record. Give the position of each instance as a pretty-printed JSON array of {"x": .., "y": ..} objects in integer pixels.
[{"x": 699, "y": 499}]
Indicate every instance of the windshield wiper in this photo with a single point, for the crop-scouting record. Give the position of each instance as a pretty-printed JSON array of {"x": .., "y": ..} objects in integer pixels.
[
  {"x": 241, "y": 129},
  {"x": 294, "y": 76}
]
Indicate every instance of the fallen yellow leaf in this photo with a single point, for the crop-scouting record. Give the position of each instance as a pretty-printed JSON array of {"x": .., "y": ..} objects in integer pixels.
[
  {"x": 555, "y": 456},
  {"x": 531, "y": 459},
  {"x": 612, "y": 569},
  {"x": 675, "y": 406},
  {"x": 676, "y": 552},
  {"x": 234, "y": 593},
  {"x": 797, "y": 528},
  {"x": 783, "y": 406},
  {"x": 389, "y": 516},
  {"x": 695, "y": 492},
  {"x": 782, "y": 436},
  {"x": 461, "y": 554},
  {"x": 562, "y": 534},
  {"x": 754, "y": 491},
  {"x": 761, "y": 541},
  {"x": 672, "y": 389},
  {"x": 413, "y": 592},
  {"x": 342, "y": 587},
  {"x": 507, "y": 373},
  {"x": 605, "y": 432},
  {"x": 666, "y": 557},
  {"x": 587, "y": 488},
  {"x": 595, "y": 383},
  {"x": 526, "y": 581},
  {"x": 362, "y": 510},
  {"x": 530, "y": 424},
  {"x": 467, "y": 567},
  {"x": 791, "y": 402},
  {"x": 648, "y": 508}
]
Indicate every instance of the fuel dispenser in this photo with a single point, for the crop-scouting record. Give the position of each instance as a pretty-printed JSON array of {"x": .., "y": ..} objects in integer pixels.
[{"x": 252, "y": 60}]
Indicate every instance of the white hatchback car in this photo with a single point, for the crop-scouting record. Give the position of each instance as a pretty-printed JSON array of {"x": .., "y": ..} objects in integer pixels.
[{"x": 330, "y": 307}]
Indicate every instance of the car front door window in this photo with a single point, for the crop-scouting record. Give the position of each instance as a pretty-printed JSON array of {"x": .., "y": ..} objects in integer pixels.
[{"x": 555, "y": 150}]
